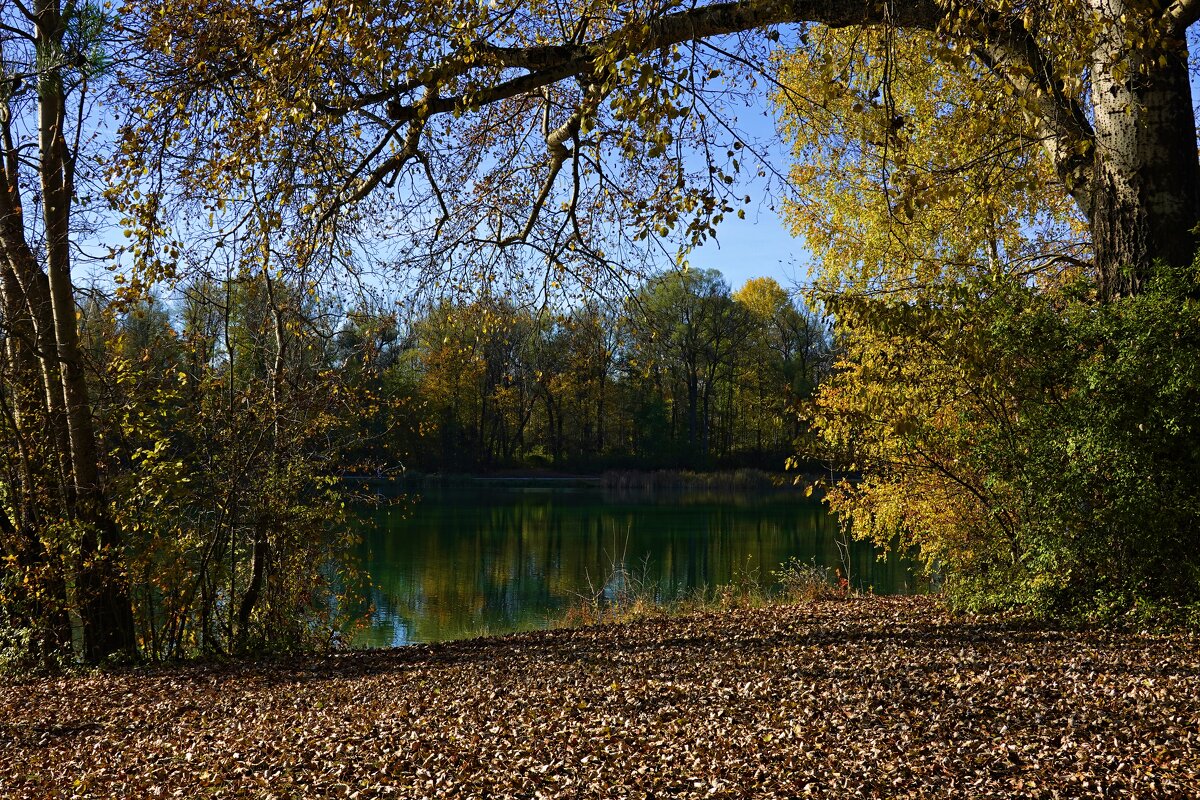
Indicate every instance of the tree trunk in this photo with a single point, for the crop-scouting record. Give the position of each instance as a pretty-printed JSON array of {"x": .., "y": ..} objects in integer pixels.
[
  {"x": 25, "y": 277},
  {"x": 600, "y": 414},
  {"x": 105, "y": 608},
  {"x": 1145, "y": 198},
  {"x": 258, "y": 568},
  {"x": 555, "y": 432}
]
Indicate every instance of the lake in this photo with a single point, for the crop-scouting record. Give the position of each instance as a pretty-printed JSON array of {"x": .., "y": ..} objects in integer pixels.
[{"x": 456, "y": 563}]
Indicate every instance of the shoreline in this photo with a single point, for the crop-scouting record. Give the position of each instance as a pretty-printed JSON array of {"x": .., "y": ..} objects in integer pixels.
[{"x": 627, "y": 480}]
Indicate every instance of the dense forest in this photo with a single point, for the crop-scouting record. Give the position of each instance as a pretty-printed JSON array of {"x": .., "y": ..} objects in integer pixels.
[{"x": 683, "y": 373}]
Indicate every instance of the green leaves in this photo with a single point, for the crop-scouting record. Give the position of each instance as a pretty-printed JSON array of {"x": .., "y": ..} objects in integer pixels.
[{"x": 1038, "y": 447}]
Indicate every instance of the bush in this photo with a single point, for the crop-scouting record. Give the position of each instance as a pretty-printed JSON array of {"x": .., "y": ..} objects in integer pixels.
[
  {"x": 1040, "y": 448},
  {"x": 1114, "y": 473}
]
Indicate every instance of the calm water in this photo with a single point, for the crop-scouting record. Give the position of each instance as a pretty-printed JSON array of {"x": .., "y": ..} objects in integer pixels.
[{"x": 459, "y": 563}]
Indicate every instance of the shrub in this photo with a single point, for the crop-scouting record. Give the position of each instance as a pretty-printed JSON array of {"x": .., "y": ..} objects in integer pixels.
[
  {"x": 799, "y": 581},
  {"x": 1040, "y": 448}
]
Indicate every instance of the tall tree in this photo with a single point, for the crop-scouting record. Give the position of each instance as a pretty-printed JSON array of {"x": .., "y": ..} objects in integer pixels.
[
  {"x": 591, "y": 332},
  {"x": 51, "y": 59},
  {"x": 786, "y": 353},
  {"x": 689, "y": 329}
]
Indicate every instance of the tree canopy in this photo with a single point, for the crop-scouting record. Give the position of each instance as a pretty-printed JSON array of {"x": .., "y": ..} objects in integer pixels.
[{"x": 475, "y": 125}]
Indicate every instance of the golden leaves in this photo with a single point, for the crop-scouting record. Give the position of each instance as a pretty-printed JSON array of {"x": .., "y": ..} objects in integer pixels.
[{"x": 910, "y": 159}]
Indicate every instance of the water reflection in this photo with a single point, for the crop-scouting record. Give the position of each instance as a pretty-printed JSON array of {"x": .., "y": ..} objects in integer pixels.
[{"x": 463, "y": 562}]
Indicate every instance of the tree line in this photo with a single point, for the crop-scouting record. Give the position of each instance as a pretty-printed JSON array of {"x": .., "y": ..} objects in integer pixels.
[{"x": 684, "y": 373}]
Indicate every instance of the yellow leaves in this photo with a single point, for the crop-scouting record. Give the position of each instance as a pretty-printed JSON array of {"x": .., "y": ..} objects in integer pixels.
[{"x": 888, "y": 203}]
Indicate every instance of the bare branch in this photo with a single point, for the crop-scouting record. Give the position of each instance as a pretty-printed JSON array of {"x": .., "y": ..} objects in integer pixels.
[
  {"x": 559, "y": 153},
  {"x": 397, "y": 162}
]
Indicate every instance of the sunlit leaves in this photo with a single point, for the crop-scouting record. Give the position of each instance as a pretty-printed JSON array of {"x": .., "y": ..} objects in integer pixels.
[
  {"x": 937, "y": 216},
  {"x": 1038, "y": 448},
  {"x": 433, "y": 136},
  {"x": 914, "y": 166}
]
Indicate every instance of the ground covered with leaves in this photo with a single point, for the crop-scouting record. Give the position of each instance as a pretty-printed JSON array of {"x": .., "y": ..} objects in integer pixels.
[{"x": 866, "y": 698}]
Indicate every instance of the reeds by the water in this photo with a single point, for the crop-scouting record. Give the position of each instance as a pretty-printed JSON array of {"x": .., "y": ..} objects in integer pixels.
[
  {"x": 630, "y": 593},
  {"x": 742, "y": 480}
]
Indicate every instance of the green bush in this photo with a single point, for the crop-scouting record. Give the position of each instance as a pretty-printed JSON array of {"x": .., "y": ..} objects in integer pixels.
[
  {"x": 1041, "y": 448},
  {"x": 1114, "y": 473}
]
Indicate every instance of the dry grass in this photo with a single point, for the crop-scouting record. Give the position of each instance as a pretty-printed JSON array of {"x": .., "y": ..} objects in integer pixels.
[{"x": 629, "y": 594}]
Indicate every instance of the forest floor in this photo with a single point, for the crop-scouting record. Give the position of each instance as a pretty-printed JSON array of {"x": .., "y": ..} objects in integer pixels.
[{"x": 863, "y": 698}]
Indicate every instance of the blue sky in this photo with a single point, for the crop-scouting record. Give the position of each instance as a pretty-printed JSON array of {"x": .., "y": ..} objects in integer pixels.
[{"x": 758, "y": 246}]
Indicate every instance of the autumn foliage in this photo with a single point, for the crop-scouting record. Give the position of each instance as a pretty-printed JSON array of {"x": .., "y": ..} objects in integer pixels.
[
  {"x": 1036, "y": 447},
  {"x": 1000, "y": 198},
  {"x": 1033, "y": 437},
  {"x": 884, "y": 698}
]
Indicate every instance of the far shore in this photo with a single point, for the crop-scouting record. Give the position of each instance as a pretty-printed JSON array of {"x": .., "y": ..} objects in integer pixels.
[{"x": 619, "y": 479}]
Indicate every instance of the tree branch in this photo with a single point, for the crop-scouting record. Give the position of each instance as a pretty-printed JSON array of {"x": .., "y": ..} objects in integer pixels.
[
  {"x": 548, "y": 64},
  {"x": 559, "y": 153},
  {"x": 1181, "y": 14},
  {"x": 392, "y": 165},
  {"x": 1062, "y": 123}
]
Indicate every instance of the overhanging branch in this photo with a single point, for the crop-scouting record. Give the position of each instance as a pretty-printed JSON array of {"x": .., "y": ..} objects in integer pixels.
[{"x": 548, "y": 64}]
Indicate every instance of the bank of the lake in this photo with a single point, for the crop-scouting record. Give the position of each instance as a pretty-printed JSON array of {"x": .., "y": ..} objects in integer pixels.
[{"x": 875, "y": 697}]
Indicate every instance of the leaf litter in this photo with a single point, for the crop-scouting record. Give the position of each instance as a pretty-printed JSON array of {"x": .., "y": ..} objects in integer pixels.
[{"x": 876, "y": 697}]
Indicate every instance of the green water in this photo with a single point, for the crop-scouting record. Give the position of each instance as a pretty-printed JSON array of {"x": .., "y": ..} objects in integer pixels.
[{"x": 459, "y": 563}]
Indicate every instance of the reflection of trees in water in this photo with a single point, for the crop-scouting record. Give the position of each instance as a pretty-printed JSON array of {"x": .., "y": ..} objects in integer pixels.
[{"x": 461, "y": 563}]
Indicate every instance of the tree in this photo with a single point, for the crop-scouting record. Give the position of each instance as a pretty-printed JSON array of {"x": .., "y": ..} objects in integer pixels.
[
  {"x": 786, "y": 354},
  {"x": 52, "y": 57},
  {"x": 958, "y": 272},
  {"x": 435, "y": 98},
  {"x": 478, "y": 132},
  {"x": 1037, "y": 447},
  {"x": 688, "y": 330},
  {"x": 226, "y": 425},
  {"x": 370, "y": 350},
  {"x": 591, "y": 333},
  {"x": 480, "y": 377}
]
